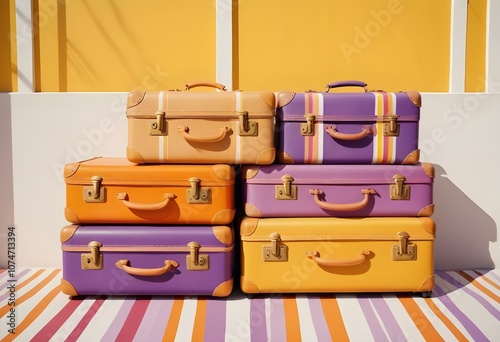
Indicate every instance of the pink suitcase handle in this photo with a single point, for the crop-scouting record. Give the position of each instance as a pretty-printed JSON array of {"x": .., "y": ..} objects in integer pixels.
[
  {"x": 342, "y": 206},
  {"x": 347, "y": 83},
  {"x": 122, "y": 196},
  {"x": 183, "y": 130},
  {"x": 219, "y": 86},
  {"x": 332, "y": 131},
  {"x": 314, "y": 256},
  {"x": 146, "y": 272}
]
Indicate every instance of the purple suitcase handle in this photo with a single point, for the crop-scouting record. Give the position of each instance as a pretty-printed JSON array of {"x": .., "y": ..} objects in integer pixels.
[{"x": 348, "y": 83}]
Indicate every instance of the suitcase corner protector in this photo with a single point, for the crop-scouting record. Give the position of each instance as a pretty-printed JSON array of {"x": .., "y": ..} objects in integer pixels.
[
  {"x": 67, "y": 232},
  {"x": 134, "y": 156},
  {"x": 68, "y": 288},
  {"x": 247, "y": 286},
  {"x": 412, "y": 158},
  {"x": 285, "y": 158},
  {"x": 426, "y": 211},
  {"x": 71, "y": 216},
  {"x": 266, "y": 157},
  {"x": 224, "y": 289},
  {"x": 427, "y": 284}
]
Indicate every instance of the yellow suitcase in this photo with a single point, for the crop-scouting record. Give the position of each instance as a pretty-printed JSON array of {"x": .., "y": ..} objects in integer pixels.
[
  {"x": 376, "y": 254},
  {"x": 116, "y": 191},
  {"x": 230, "y": 127}
]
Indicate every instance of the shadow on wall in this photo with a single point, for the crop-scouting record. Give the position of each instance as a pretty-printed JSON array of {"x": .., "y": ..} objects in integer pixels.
[
  {"x": 6, "y": 178},
  {"x": 463, "y": 230}
]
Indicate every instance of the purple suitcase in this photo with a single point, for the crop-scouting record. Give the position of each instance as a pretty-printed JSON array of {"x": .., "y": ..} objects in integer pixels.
[
  {"x": 147, "y": 260},
  {"x": 348, "y": 128},
  {"x": 304, "y": 190}
]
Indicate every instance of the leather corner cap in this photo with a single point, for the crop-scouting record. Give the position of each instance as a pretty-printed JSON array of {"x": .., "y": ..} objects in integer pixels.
[
  {"x": 247, "y": 286},
  {"x": 224, "y": 289},
  {"x": 67, "y": 232},
  {"x": 428, "y": 224},
  {"x": 135, "y": 97},
  {"x": 415, "y": 98},
  {"x": 224, "y": 234},
  {"x": 248, "y": 226},
  {"x": 284, "y": 97},
  {"x": 70, "y": 169},
  {"x": 68, "y": 288},
  {"x": 224, "y": 172},
  {"x": 134, "y": 156}
]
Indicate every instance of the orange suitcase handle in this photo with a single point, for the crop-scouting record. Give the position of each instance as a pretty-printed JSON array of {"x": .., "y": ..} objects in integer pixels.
[
  {"x": 183, "y": 130},
  {"x": 147, "y": 272},
  {"x": 122, "y": 196},
  {"x": 206, "y": 84},
  {"x": 332, "y": 131},
  {"x": 329, "y": 263},
  {"x": 343, "y": 206}
]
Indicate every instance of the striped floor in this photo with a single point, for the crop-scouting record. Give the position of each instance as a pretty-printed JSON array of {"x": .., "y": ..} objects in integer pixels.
[{"x": 465, "y": 306}]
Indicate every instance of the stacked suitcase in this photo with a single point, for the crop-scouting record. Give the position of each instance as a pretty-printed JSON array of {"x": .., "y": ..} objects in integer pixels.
[
  {"x": 346, "y": 207},
  {"x": 160, "y": 222}
]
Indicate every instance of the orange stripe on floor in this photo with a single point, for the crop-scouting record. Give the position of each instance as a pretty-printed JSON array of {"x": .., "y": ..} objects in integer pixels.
[
  {"x": 22, "y": 284},
  {"x": 333, "y": 319},
  {"x": 480, "y": 286},
  {"x": 30, "y": 293},
  {"x": 419, "y": 319},
  {"x": 489, "y": 281},
  {"x": 446, "y": 321},
  {"x": 292, "y": 322},
  {"x": 199, "y": 320},
  {"x": 34, "y": 313},
  {"x": 173, "y": 320}
]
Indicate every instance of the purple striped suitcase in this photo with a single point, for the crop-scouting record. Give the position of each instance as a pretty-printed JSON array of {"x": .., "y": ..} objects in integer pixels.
[
  {"x": 305, "y": 190},
  {"x": 348, "y": 128},
  {"x": 147, "y": 260}
]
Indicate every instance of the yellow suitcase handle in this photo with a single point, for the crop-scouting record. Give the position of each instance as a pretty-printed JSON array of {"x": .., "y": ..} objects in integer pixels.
[
  {"x": 342, "y": 206},
  {"x": 314, "y": 256},
  {"x": 219, "y": 86},
  {"x": 332, "y": 131},
  {"x": 123, "y": 197},
  {"x": 147, "y": 272},
  {"x": 183, "y": 130}
]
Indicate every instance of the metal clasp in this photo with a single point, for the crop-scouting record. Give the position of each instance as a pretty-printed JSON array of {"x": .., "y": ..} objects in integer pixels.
[
  {"x": 391, "y": 128},
  {"x": 92, "y": 260},
  {"x": 94, "y": 193},
  {"x": 308, "y": 127},
  {"x": 275, "y": 252},
  {"x": 287, "y": 191},
  {"x": 247, "y": 128},
  {"x": 197, "y": 194},
  {"x": 196, "y": 261},
  {"x": 399, "y": 190},
  {"x": 159, "y": 127},
  {"x": 404, "y": 250}
]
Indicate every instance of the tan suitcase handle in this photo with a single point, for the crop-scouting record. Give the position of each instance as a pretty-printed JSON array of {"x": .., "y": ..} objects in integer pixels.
[
  {"x": 314, "y": 256},
  {"x": 183, "y": 130},
  {"x": 342, "y": 206},
  {"x": 122, "y": 196},
  {"x": 147, "y": 272},
  {"x": 205, "y": 84},
  {"x": 367, "y": 130}
]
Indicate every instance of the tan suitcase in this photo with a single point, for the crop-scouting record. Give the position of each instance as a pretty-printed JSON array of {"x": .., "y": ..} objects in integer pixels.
[
  {"x": 114, "y": 190},
  {"x": 232, "y": 127},
  {"x": 328, "y": 254}
]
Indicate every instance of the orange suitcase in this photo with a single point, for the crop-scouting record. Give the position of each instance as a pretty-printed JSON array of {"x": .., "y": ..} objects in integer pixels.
[
  {"x": 114, "y": 190},
  {"x": 195, "y": 127}
]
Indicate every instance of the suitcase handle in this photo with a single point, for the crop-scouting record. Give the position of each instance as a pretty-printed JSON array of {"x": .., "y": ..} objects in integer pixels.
[
  {"x": 219, "y": 86},
  {"x": 342, "y": 206},
  {"x": 332, "y": 131},
  {"x": 183, "y": 130},
  {"x": 146, "y": 272},
  {"x": 314, "y": 256},
  {"x": 347, "y": 83},
  {"x": 122, "y": 196}
]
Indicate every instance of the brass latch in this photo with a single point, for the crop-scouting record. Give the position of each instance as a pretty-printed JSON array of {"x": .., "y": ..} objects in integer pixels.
[
  {"x": 399, "y": 190},
  {"x": 196, "y": 194},
  {"x": 287, "y": 191},
  {"x": 275, "y": 252},
  {"x": 92, "y": 260},
  {"x": 391, "y": 128},
  {"x": 159, "y": 127},
  {"x": 308, "y": 127},
  {"x": 196, "y": 261},
  {"x": 94, "y": 193},
  {"x": 404, "y": 250},
  {"x": 247, "y": 128}
]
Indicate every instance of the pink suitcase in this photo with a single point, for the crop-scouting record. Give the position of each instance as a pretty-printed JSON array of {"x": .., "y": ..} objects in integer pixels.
[
  {"x": 147, "y": 260},
  {"x": 370, "y": 127},
  {"x": 307, "y": 190}
]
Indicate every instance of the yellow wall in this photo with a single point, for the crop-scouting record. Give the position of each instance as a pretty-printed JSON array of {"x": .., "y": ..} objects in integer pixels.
[
  {"x": 475, "y": 58},
  {"x": 299, "y": 45},
  {"x": 119, "y": 45},
  {"x": 8, "y": 57}
]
